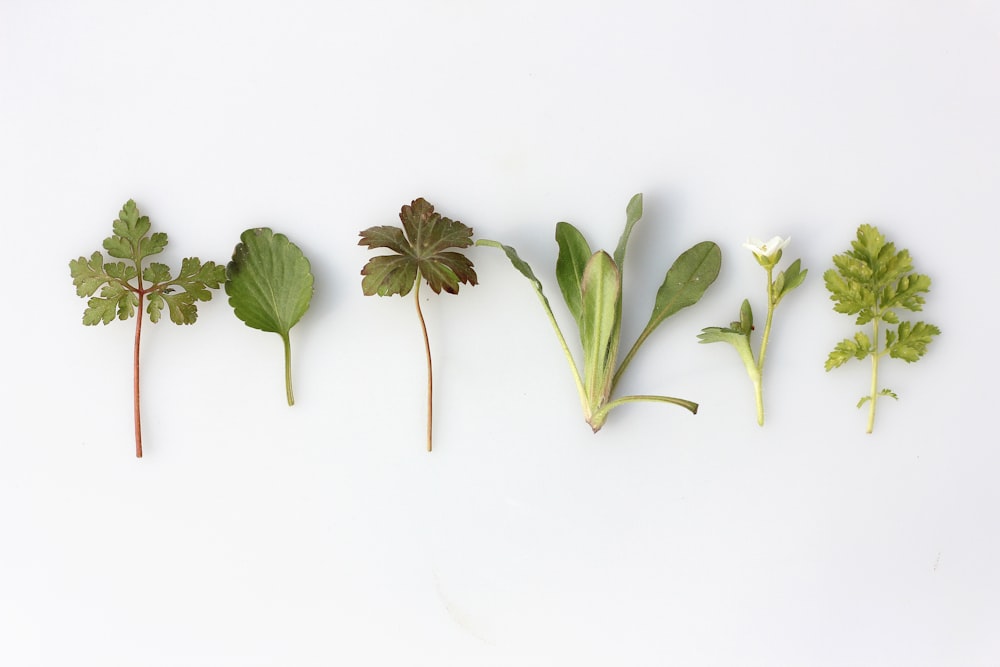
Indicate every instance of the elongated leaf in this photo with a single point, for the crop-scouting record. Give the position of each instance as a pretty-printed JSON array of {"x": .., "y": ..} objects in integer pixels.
[
  {"x": 632, "y": 214},
  {"x": 686, "y": 281},
  {"x": 270, "y": 285},
  {"x": 601, "y": 288},
  {"x": 574, "y": 253}
]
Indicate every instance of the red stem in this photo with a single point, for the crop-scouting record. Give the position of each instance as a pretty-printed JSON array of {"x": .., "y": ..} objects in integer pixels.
[{"x": 135, "y": 375}]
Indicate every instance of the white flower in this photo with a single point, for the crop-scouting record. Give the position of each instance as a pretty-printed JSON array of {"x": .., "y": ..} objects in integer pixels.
[{"x": 766, "y": 249}]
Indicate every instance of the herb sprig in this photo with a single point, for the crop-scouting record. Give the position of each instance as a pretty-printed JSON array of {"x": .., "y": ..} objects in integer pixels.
[
  {"x": 872, "y": 280},
  {"x": 126, "y": 286},
  {"x": 737, "y": 334}
]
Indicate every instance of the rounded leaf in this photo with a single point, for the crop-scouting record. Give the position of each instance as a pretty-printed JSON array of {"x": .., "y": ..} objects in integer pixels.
[{"x": 269, "y": 281}]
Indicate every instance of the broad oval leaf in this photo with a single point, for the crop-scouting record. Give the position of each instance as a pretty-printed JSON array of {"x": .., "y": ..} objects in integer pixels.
[{"x": 269, "y": 281}]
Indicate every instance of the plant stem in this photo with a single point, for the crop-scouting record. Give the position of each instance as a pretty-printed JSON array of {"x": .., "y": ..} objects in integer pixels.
[
  {"x": 430, "y": 370},
  {"x": 758, "y": 381},
  {"x": 288, "y": 369},
  {"x": 135, "y": 374},
  {"x": 875, "y": 356},
  {"x": 597, "y": 421}
]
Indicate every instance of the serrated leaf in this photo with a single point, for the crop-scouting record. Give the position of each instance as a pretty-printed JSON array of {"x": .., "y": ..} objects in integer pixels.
[
  {"x": 123, "y": 285},
  {"x": 912, "y": 341},
  {"x": 156, "y": 273},
  {"x": 423, "y": 251},
  {"x": 155, "y": 307},
  {"x": 270, "y": 286},
  {"x": 269, "y": 281}
]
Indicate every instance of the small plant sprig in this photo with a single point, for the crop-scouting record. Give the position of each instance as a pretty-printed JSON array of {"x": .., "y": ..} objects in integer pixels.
[
  {"x": 270, "y": 284},
  {"x": 872, "y": 280},
  {"x": 737, "y": 334},
  {"x": 126, "y": 286},
  {"x": 591, "y": 284},
  {"x": 421, "y": 248}
]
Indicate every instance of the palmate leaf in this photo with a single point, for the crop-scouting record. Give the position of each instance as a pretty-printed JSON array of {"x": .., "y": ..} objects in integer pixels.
[
  {"x": 270, "y": 285},
  {"x": 422, "y": 252},
  {"x": 421, "y": 247}
]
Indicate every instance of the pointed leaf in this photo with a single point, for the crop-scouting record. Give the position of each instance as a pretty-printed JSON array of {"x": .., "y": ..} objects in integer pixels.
[
  {"x": 632, "y": 214},
  {"x": 686, "y": 281},
  {"x": 574, "y": 253}
]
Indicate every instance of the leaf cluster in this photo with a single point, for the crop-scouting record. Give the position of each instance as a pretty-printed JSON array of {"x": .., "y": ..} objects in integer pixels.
[
  {"x": 591, "y": 285},
  {"x": 118, "y": 285},
  {"x": 421, "y": 250},
  {"x": 872, "y": 281}
]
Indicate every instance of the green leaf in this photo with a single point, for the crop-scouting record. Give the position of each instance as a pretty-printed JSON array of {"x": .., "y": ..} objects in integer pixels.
[
  {"x": 123, "y": 285},
  {"x": 633, "y": 212},
  {"x": 270, "y": 285},
  {"x": 422, "y": 250},
  {"x": 525, "y": 270},
  {"x": 601, "y": 287},
  {"x": 911, "y": 341},
  {"x": 789, "y": 279},
  {"x": 686, "y": 281},
  {"x": 872, "y": 280},
  {"x": 574, "y": 253}
]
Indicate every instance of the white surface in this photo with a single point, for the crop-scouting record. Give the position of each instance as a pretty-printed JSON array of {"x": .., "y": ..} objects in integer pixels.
[{"x": 255, "y": 534}]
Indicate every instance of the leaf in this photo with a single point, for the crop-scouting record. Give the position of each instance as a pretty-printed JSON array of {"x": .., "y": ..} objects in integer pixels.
[
  {"x": 686, "y": 281},
  {"x": 591, "y": 284},
  {"x": 422, "y": 250},
  {"x": 125, "y": 285},
  {"x": 270, "y": 285},
  {"x": 790, "y": 278},
  {"x": 633, "y": 212},
  {"x": 574, "y": 253},
  {"x": 872, "y": 280},
  {"x": 911, "y": 341},
  {"x": 601, "y": 286}
]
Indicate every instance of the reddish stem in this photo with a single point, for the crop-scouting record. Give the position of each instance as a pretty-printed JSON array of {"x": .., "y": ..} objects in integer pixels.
[{"x": 135, "y": 375}]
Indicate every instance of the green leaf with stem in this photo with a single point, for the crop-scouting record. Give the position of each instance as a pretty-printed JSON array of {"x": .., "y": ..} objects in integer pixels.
[
  {"x": 872, "y": 280},
  {"x": 768, "y": 254},
  {"x": 421, "y": 248},
  {"x": 270, "y": 285},
  {"x": 591, "y": 283},
  {"x": 126, "y": 287}
]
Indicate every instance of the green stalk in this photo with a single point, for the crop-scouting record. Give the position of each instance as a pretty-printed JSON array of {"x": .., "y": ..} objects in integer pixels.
[
  {"x": 875, "y": 356},
  {"x": 288, "y": 368},
  {"x": 602, "y": 415},
  {"x": 758, "y": 380}
]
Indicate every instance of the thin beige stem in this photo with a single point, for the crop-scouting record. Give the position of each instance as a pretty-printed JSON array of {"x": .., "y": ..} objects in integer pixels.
[{"x": 430, "y": 368}]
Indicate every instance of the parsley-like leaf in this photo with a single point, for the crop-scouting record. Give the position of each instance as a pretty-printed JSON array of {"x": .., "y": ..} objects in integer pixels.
[
  {"x": 872, "y": 281},
  {"x": 124, "y": 287},
  {"x": 422, "y": 252}
]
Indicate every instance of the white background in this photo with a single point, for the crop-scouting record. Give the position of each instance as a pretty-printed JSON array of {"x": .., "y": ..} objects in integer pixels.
[{"x": 257, "y": 534}]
